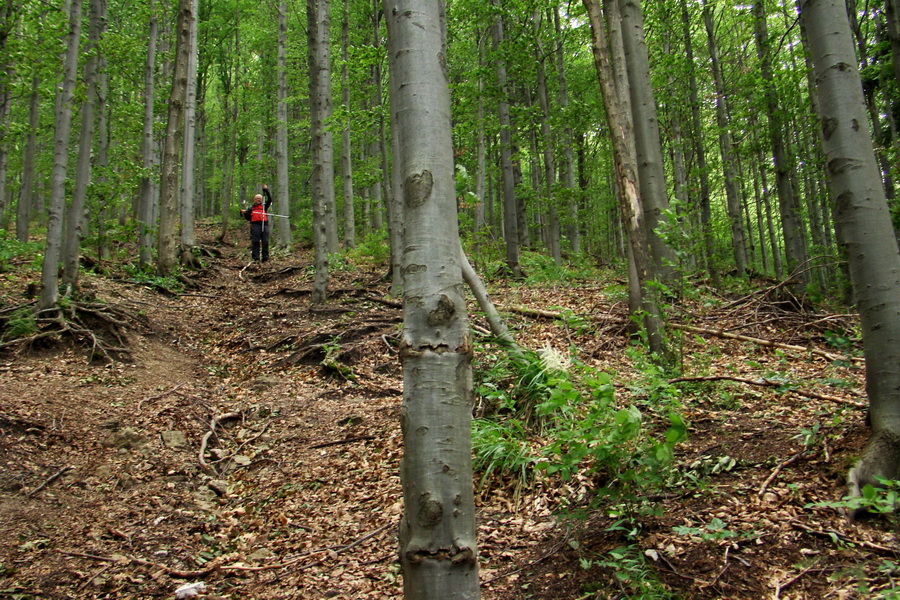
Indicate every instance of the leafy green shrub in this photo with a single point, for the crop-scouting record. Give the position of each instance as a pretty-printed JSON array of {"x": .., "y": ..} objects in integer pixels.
[{"x": 550, "y": 396}]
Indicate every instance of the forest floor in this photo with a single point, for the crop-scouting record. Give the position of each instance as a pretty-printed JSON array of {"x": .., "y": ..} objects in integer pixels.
[{"x": 251, "y": 443}]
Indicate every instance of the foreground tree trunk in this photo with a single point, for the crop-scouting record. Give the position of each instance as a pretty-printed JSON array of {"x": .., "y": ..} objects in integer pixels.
[
  {"x": 863, "y": 227},
  {"x": 62, "y": 134},
  {"x": 437, "y": 532}
]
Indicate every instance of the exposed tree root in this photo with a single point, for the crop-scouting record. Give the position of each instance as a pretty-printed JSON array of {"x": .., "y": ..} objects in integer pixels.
[{"x": 100, "y": 328}]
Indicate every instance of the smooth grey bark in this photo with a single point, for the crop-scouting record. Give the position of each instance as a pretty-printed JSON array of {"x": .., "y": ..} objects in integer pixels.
[
  {"x": 788, "y": 205},
  {"x": 168, "y": 189},
  {"x": 282, "y": 202},
  {"x": 148, "y": 197},
  {"x": 62, "y": 134},
  {"x": 26, "y": 194},
  {"x": 706, "y": 232},
  {"x": 480, "y": 152},
  {"x": 863, "y": 227},
  {"x": 726, "y": 147},
  {"x": 188, "y": 189},
  {"x": 573, "y": 227},
  {"x": 510, "y": 207},
  {"x": 608, "y": 60},
  {"x": 75, "y": 218},
  {"x": 322, "y": 180},
  {"x": 437, "y": 532},
  {"x": 648, "y": 145},
  {"x": 320, "y": 71},
  {"x": 346, "y": 144},
  {"x": 103, "y": 194},
  {"x": 8, "y": 17},
  {"x": 547, "y": 146}
]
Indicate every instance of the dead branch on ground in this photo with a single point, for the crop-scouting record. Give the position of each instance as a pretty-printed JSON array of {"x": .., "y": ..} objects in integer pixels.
[{"x": 764, "y": 382}]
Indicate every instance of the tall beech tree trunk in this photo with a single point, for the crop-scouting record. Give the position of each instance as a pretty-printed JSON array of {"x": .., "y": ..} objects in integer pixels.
[
  {"x": 282, "y": 201},
  {"x": 75, "y": 221},
  {"x": 62, "y": 133},
  {"x": 572, "y": 227},
  {"x": 168, "y": 190},
  {"x": 648, "y": 145},
  {"x": 322, "y": 183},
  {"x": 608, "y": 58},
  {"x": 732, "y": 190},
  {"x": 437, "y": 531},
  {"x": 706, "y": 230},
  {"x": 148, "y": 196},
  {"x": 26, "y": 194},
  {"x": 346, "y": 143},
  {"x": 552, "y": 230},
  {"x": 789, "y": 208},
  {"x": 863, "y": 227},
  {"x": 188, "y": 189},
  {"x": 510, "y": 207}
]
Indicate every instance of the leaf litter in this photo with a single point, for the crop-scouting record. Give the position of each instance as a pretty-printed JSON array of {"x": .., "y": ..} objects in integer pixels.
[{"x": 251, "y": 448}]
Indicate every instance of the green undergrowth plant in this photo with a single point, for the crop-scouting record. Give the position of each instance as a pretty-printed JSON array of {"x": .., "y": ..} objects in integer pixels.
[
  {"x": 374, "y": 250},
  {"x": 12, "y": 249},
  {"x": 549, "y": 413},
  {"x": 635, "y": 578},
  {"x": 881, "y": 500},
  {"x": 147, "y": 276}
]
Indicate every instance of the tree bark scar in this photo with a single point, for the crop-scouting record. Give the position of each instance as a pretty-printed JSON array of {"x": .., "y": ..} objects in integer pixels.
[
  {"x": 443, "y": 313},
  {"x": 829, "y": 126},
  {"x": 418, "y": 188},
  {"x": 836, "y": 166},
  {"x": 430, "y": 513}
]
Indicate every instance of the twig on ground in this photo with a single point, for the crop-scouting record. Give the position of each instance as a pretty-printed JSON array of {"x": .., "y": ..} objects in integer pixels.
[
  {"x": 552, "y": 551},
  {"x": 50, "y": 480},
  {"x": 358, "y": 438},
  {"x": 776, "y": 471},
  {"x": 88, "y": 581},
  {"x": 158, "y": 396}
]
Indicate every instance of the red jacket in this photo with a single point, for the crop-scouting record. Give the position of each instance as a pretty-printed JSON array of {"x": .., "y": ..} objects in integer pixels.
[{"x": 256, "y": 213}]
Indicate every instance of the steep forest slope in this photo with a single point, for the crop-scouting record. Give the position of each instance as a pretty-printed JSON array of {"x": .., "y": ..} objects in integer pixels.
[{"x": 251, "y": 445}]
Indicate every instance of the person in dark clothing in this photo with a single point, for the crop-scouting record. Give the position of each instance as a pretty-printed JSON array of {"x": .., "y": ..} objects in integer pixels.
[{"x": 257, "y": 214}]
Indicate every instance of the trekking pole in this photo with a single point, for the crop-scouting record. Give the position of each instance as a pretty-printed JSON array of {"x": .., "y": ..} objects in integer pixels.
[{"x": 274, "y": 215}]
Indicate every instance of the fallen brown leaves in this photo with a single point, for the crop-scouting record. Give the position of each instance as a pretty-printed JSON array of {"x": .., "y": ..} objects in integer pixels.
[{"x": 253, "y": 444}]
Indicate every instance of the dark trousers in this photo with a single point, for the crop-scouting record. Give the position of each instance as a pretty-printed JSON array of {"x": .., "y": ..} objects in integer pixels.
[{"x": 259, "y": 236}]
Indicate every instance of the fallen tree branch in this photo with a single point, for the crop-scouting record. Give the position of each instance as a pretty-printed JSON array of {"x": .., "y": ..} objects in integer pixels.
[
  {"x": 762, "y": 381},
  {"x": 763, "y": 342}
]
